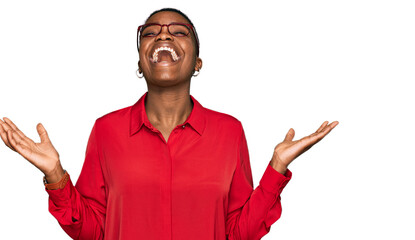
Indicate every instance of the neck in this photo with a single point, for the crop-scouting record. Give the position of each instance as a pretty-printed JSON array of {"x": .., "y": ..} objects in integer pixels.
[{"x": 168, "y": 107}]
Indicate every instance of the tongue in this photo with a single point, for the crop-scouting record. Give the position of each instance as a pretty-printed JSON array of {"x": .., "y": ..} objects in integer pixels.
[{"x": 164, "y": 56}]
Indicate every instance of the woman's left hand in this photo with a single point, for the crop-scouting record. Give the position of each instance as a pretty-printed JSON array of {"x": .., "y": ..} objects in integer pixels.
[{"x": 288, "y": 150}]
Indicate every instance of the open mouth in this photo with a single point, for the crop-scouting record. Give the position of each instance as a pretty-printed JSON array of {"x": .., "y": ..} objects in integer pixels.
[{"x": 164, "y": 54}]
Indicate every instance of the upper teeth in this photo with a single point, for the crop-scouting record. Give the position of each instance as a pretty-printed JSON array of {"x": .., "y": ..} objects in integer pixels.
[{"x": 172, "y": 52}]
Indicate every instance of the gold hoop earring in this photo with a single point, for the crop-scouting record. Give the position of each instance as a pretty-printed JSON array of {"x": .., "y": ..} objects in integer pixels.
[
  {"x": 195, "y": 75},
  {"x": 138, "y": 74}
]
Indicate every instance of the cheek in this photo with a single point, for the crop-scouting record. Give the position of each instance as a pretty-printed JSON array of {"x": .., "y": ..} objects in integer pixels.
[
  {"x": 144, "y": 61},
  {"x": 141, "y": 54},
  {"x": 144, "y": 46},
  {"x": 190, "y": 55}
]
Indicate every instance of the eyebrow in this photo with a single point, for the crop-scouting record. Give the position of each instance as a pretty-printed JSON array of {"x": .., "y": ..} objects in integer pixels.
[{"x": 166, "y": 24}]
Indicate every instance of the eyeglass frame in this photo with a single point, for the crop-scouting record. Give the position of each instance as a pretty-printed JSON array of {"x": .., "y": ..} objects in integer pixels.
[{"x": 161, "y": 28}]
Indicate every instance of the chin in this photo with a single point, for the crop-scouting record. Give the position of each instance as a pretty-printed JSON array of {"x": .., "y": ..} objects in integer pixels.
[{"x": 165, "y": 80}]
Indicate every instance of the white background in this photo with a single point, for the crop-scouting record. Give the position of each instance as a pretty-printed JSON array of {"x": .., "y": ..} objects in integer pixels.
[{"x": 272, "y": 66}]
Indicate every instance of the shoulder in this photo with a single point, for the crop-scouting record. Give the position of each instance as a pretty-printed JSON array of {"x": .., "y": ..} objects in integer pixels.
[
  {"x": 223, "y": 121},
  {"x": 117, "y": 117}
]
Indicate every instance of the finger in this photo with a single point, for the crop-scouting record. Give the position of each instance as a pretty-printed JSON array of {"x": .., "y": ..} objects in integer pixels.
[
  {"x": 5, "y": 126},
  {"x": 335, "y": 123},
  {"x": 10, "y": 125},
  {"x": 309, "y": 141},
  {"x": 322, "y": 126},
  {"x": 315, "y": 134},
  {"x": 11, "y": 140},
  {"x": 18, "y": 143},
  {"x": 290, "y": 135},
  {"x": 3, "y": 135},
  {"x": 14, "y": 127},
  {"x": 17, "y": 131},
  {"x": 331, "y": 126},
  {"x": 326, "y": 130},
  {"x": 43, "y": 134}
]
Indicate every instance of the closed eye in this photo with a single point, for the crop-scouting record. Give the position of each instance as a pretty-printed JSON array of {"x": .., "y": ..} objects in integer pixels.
[
  {"x": 180, "y": 34},
  {"x": 149, "y": 34}
]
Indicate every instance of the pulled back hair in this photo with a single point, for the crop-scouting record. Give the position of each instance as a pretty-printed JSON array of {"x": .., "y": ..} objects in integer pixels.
[{"x": 183, "y": 15}]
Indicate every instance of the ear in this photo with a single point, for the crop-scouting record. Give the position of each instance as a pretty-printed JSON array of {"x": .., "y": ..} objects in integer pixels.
[{"x": 198, "y": 65}]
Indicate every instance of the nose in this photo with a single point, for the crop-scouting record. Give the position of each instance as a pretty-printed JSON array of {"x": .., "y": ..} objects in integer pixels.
[{"x": 164, "y": 34}]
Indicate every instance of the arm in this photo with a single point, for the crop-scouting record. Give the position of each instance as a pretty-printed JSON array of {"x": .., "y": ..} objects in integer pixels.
[
  {"x": 81, "y": 210},
  {"x": 252, "y": 212}
]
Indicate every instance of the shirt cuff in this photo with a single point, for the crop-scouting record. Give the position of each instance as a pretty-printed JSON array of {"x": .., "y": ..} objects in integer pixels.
[
  {"x": 61, "y": 197},
  {"x": 58, "y": 185},
  {"x": 273, "y": 181}
]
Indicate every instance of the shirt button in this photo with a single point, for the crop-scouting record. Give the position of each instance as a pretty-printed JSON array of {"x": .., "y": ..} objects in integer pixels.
[{"x": 183, "y": 126}]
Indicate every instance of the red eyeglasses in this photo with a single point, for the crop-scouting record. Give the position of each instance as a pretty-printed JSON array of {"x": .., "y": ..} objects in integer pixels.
[{"x": 175, "y": 29}]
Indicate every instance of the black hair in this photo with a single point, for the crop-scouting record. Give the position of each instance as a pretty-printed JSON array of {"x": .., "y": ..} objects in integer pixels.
[{"x": 183, "y": 15}]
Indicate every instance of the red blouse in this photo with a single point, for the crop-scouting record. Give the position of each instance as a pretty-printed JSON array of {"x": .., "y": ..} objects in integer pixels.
[{"x": 197, "y": 185}]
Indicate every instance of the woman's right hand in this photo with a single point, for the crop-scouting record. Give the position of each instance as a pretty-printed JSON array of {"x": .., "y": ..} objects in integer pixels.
[{"x": 43, "y": 155}]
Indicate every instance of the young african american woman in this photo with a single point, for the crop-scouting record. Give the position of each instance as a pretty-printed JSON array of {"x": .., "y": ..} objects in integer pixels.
[{"x": 165, "y": 167}]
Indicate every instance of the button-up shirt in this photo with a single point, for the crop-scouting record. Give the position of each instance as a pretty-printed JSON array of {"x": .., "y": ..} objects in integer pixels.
[{"x": 197, "y": 184}]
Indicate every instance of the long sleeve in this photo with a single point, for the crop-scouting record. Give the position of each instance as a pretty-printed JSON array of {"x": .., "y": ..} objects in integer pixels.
[
  {"x": 81, "y": 210},
  {"x": 252, "y": 212}
]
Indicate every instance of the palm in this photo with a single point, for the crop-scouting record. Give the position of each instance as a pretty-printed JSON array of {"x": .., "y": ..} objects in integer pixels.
[
  {"x": 39, "y": 154},
  {"x": 288, "y": 150},
  {"x": 43, "y": 155}
]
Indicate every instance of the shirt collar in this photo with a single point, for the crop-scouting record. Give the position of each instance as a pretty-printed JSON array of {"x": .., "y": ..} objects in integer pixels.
[{"x": 139, "y": 117}]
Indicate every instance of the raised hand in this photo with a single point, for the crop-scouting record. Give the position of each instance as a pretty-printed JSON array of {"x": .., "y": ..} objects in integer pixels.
[
  {"x": 288, "y": 150},
  {"x": 43, "y": 155}
]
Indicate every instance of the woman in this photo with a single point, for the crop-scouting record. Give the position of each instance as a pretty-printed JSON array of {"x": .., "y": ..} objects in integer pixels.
[{"x": 165, "y": 167}]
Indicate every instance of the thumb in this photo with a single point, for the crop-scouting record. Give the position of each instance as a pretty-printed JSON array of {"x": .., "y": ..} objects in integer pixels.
[
  {"x": 290, "y": 135},
  {"x": 42, "y": 133}
]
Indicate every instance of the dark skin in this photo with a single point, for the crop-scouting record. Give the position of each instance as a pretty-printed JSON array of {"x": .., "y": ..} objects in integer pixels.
[
  {"x": 168, "y": 100},
  {"x": 168, "y": 105}
]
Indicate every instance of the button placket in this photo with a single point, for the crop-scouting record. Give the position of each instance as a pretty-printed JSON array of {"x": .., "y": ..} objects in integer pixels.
[{"x": 173, "y": 133}]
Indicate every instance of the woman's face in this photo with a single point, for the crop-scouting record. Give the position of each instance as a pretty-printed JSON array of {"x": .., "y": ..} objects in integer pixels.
[{"x": 166, "y": 68}]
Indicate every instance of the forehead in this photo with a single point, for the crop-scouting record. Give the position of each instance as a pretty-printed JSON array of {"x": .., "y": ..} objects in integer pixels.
[{"x": 166, "y": 17}]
